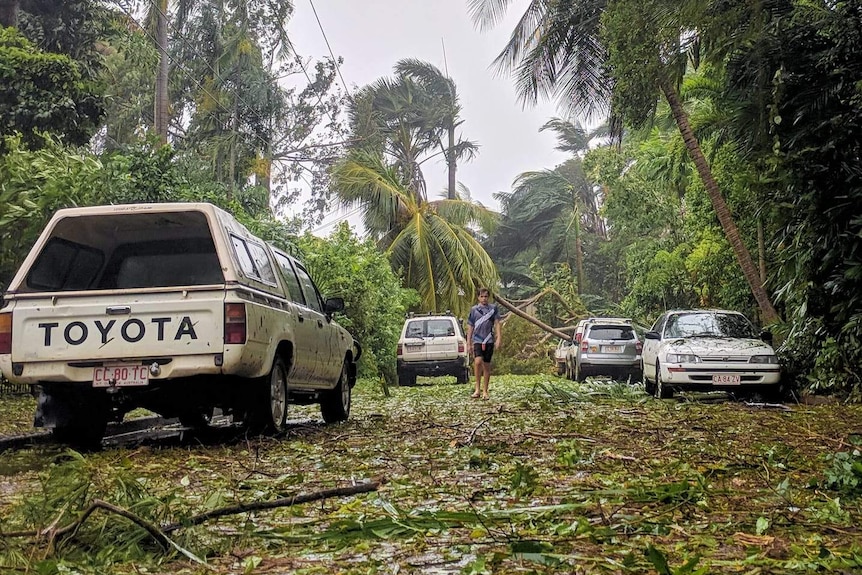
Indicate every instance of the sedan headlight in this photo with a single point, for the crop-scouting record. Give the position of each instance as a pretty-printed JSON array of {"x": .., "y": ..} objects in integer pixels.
[
  {"x": 682, "y": 358},
  {"x": 763, "y": 359}
]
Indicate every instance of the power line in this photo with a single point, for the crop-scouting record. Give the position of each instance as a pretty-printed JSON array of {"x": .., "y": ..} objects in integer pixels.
[
  {"x": 331, "y": 53},
  {"x": 338, "y": 219}
]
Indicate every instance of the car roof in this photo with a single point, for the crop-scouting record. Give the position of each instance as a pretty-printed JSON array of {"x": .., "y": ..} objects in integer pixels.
[
  {"x": 673, "y": 311},
  {"x": 608, "y": 320},
  {"x": 430, "y": 316}
]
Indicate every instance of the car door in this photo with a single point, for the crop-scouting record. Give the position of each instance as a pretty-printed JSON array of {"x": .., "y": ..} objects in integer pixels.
[
  {"x": 327, "y": 366},
  {"x": 651, "y": 347},
  {"x": 305, "y": 330}
]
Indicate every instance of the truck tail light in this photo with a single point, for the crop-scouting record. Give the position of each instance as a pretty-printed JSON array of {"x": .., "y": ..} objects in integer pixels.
[
  {"x": 639, "y": 347},
  {"x": 5, "y": 332},
  {"x": 400, "y": 350},
  {"x": 461, "y": 347},
  {"x": 234, "y": 323}
]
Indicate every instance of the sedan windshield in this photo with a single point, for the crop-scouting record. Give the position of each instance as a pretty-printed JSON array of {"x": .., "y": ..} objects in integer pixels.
[{"x": 708, "y": 324}]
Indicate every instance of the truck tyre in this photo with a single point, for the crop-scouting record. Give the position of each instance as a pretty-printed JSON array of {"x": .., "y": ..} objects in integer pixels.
[
  {"x": 335, "y": 403},
  {"x": 579, "y": 373},
  {"x": 406, "y": 380},
  {"x": 463, "y": 377},
  {"x": 269, "y": 411}
]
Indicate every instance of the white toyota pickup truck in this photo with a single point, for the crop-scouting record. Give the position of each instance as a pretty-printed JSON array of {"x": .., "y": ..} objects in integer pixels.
[{"x": 175, "y": 308}]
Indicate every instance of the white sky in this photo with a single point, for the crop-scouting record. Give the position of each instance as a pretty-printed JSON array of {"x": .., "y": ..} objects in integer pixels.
[{"x": 372, "y": 35}]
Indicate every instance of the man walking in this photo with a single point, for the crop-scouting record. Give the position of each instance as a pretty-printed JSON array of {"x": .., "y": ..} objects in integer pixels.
[{"x": 483, "y": 333}]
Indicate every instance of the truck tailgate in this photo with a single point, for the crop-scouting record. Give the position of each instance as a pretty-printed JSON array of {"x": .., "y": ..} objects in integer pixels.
[{"x": 117, "y": 325}]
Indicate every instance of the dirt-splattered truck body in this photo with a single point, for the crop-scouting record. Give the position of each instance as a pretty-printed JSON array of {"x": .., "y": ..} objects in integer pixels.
[{"x": 176, "y": 308}]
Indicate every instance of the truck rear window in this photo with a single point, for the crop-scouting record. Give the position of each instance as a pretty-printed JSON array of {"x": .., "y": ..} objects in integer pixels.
[{"x": 119, "y": 251}]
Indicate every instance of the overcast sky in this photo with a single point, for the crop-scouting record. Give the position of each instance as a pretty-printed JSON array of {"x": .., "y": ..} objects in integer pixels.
[{"x": 372, "y": 35}]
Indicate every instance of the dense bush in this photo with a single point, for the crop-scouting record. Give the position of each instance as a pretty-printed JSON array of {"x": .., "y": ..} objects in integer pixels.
[{"x": 345, "y": 266}]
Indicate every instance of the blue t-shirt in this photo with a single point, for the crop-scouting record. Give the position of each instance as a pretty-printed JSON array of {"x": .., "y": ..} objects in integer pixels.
[{"x": 482, "y": 318}]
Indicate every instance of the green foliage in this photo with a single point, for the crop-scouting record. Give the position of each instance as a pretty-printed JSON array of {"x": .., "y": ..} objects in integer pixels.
[
  {"x": 845, "y": 473},
  {"x": 517, "y": 355},
  {"x": 70, "y": 484},
  {"x": 34, "y": 184},
  {"x": 375, "y": 303},
  {"x": 43, "y": 92},
  {"x": 812, "y": 74}
]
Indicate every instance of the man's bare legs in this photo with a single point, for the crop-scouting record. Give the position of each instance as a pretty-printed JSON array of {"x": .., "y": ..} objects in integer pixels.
[
  {"x": 478, "y": 371},
  {"x": 482, "y": 373}
]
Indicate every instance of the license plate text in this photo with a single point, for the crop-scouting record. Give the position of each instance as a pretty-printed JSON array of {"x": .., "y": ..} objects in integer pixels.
[{"x": 120, "y": 375}]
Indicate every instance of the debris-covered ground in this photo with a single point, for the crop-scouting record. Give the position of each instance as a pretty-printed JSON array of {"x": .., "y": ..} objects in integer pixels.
[{"x": 549, "y": 476}]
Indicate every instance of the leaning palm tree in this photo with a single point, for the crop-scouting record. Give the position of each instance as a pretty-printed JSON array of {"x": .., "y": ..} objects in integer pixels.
[
  {"x": 431, "y": 243},
  {"x": 545, "y": 213},
  {"x": 603, "y": 57},
  {"x": 443, "y": 114}
]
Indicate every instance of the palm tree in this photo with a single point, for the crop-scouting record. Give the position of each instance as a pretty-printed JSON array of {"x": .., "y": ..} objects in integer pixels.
[
  {"x": 544, "y": 214},
  {"x": 566, "y": 49},
  {"x": 430, "y": 243},
  {"x": 444, "y": 114}
]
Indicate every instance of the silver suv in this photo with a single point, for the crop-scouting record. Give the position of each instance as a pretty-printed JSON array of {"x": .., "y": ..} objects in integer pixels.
[
  {"x": 607, "y": 346},
  {"x": 432, "y": 345}
]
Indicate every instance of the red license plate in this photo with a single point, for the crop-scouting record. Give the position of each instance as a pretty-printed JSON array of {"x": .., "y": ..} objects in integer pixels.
[
  {"x": 727, "y": 379},
  {"x": 121, "y": 375}
]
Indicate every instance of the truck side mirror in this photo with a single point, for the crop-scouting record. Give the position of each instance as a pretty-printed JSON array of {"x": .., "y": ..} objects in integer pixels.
[
  {"x": 333, "y": 305},
  {"x": 652, "y": 335},
  {"x": 766, "y": 336}
]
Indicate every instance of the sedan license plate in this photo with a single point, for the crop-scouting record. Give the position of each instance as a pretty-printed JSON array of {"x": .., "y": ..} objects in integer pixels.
[
  {"x": 612, "y": 349},
  {"x": 727, "y": 379},
  {"x": 120, "y": 375}
]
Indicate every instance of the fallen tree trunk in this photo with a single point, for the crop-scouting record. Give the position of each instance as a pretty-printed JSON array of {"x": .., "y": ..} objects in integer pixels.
[{"x": 508, "y": 305}]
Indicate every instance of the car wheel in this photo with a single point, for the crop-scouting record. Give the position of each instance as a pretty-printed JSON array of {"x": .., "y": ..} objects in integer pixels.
[
  {"x": 463, "y": 377},
  {"x": 661, "y": 390},
  {"x": 579, "y": 373},
  {"x": 649, "y": 386},
  {"x": 406, "y": 380},
  {"x": 270, "y": 410},
  {"x": 636, "y": 376},
  {"x": 335, "y": 403}
]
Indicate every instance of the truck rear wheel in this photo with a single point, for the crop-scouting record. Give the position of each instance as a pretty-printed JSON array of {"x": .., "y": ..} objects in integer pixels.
[
  {"x": 269, "y": 411},
  {"x": 335, "y": 403}
]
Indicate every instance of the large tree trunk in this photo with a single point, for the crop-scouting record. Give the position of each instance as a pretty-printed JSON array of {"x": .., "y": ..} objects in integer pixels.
[
  {"x": 452, "y": 163},
  {"x": 761, "y": 250},
  {"x": 160, "y": 113},
  {"x": 579, "y": 252},
  {"x": 743, "y": 256},
  {"x": 509, "y": 306},
  {"x": 9, "y": 13}
]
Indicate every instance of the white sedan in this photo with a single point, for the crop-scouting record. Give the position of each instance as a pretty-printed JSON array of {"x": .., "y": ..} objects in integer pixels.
[{"x": 708, "y": 350}]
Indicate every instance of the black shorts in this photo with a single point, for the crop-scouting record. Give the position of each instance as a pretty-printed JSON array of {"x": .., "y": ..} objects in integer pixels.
[{"x": 486, "y": 354}]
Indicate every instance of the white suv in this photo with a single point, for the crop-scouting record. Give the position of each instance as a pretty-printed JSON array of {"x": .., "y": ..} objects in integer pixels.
[{"x": 432, "y": 345}]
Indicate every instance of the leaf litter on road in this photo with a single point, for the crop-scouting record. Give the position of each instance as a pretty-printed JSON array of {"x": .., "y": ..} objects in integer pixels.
[{"x": 550, "y": 476}]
